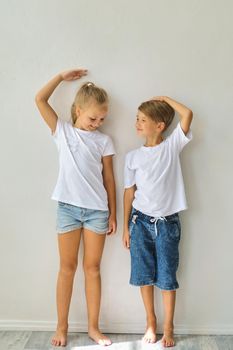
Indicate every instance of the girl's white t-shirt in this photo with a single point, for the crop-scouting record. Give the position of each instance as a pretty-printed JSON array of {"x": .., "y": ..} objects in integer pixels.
[
  {"x": 156, "y": 172},
  {"x": 80, "y": 180}
]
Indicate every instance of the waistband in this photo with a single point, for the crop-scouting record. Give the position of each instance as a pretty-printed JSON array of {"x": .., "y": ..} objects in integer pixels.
[{"x": 152, "y": 219}]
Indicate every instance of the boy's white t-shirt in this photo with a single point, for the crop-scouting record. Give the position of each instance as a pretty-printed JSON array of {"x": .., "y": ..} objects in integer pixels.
[
  {"x": 156, "y": 172},
  {"x": 80, "y": 180}
]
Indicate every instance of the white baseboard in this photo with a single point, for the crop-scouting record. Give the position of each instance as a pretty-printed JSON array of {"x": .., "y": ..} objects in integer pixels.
[{"x": 17, "y": 325}]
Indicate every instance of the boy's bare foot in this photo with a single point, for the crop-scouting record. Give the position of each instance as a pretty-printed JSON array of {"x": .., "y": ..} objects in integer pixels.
[
  {"x": 59, "y": 338},
  {"x": 150, "y": 334},
  {"x": 98, "y": 337},
  {"x": 168, "y": 338}
]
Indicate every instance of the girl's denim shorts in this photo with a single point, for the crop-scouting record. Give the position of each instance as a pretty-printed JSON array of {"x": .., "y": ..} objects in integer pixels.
[
  {"x": 71, "y": 217},
  {"x": 154, "y": 250}
]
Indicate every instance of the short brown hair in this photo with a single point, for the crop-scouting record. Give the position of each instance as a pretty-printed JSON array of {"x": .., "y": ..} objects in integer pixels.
[
  {"x": 159, "y": 111},
  {"x": 88, "y": 93}
]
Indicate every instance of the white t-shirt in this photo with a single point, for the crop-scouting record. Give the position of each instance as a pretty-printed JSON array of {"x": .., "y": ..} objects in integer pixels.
[
  {"x": 80, "y": 180},
  {"x": 156, "y": 172}
]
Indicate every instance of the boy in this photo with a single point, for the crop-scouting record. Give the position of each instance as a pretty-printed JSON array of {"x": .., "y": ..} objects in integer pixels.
[{"x": 154, "y": 194}]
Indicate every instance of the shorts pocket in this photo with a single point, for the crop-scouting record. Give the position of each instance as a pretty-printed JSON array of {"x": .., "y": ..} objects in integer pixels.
[{"x": 174, "y": 230}]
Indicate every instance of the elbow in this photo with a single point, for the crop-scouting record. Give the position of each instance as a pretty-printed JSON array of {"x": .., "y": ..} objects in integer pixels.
[
  {"x": 39, "y": 99},
  {"x": 190, "y": 114}
]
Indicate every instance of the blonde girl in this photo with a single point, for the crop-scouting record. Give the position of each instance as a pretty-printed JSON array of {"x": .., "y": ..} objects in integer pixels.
[{"x": 85, "y": 192}]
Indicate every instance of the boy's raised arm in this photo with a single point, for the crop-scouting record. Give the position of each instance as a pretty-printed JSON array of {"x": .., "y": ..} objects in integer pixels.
[{"x": 185, "y": 114}]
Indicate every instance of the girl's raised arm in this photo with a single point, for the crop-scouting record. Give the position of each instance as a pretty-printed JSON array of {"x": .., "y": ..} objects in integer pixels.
[{"x": 43, "y": 95}]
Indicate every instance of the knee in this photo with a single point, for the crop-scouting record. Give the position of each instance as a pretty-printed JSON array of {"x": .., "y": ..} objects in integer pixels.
[
  {"x": 68, "y": 269},
  {"x": 91, "y": 270}
]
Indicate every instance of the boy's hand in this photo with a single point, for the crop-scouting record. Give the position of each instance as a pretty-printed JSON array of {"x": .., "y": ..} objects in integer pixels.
[
  {"x": 126, "y": 239},
  {"x": 73, "y": 74},
  {"x": 112, "y": 225},
  {"x": 160, "y": 98}
]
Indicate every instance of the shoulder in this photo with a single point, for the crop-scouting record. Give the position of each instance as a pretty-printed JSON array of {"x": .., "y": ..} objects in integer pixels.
[
  {"x": 61, "y": 126},
  {"x": 132, "y": 155},
  {"x": 179, "y": 134},
  {"x": 178, "y": 139}
]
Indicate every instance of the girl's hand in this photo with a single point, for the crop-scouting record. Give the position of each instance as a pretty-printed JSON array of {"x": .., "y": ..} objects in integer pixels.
[
  {"x": 73, "y": 74},
  {"x": 112, "y": 225},
  {"x": 126, "y": 239}
]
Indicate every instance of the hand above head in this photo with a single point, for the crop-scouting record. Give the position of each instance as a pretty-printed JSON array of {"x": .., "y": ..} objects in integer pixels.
[
  {"x": 159, "y": 98},
  {"x": 74, "y": 74},
  {"x": 185, "y": 114}
]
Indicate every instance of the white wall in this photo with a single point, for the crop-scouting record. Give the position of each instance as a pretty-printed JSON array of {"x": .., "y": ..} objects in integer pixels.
[{"x": 134, "y": 49}]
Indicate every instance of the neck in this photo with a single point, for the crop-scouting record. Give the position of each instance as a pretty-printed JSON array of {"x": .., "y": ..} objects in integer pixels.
[
  {"x": 77, "y": 125},
  {"x": 153, "y": 140}
]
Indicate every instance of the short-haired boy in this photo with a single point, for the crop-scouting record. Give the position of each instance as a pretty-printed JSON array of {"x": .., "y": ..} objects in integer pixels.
[{"x": 154, "y": 195}]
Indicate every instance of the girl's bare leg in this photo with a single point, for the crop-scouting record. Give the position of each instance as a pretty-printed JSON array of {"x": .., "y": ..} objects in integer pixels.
[
  {"x": 169, "y": 299},
  {"x": 93, "y": 249},
  {"x": 68, "y": 249},
  {"x": 148, "y": 300}
]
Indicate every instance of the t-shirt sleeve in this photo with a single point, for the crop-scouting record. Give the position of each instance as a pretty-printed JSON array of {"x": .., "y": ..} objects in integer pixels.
[
  {"x": 58, "y": 131},
  {"x": 178, "y": 139},
  {"x": 109, "y": 148},
  {"x": 129, "y": 173}
]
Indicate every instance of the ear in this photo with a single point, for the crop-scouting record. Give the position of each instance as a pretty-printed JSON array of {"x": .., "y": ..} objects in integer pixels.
[
  {"x": 77, "y": 111},
  {"x": 161, "y": 126}
]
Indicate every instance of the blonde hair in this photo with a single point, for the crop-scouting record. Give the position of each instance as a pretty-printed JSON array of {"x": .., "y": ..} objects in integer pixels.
[
  {"x": 159, "y": 111},
  {"x": 88, "y": 93}
]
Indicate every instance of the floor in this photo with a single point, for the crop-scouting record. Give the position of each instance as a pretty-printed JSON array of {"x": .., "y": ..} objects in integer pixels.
[{"x": 26, "y": 340}]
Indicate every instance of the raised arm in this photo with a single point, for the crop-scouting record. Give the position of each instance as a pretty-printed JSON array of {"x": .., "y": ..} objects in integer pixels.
[
  {"x": 44, "y": 94},
  {"x": 185, "y": 114}
]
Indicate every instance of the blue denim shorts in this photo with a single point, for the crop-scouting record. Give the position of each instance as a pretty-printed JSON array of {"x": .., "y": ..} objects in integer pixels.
[
  {"x": 154, "y": 250},
  {"x": 71, "y": 217}
]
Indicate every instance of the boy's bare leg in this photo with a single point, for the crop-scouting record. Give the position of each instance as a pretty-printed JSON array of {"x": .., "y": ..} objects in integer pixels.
[
  {"x": 169, "y": 299},
  {"x": 68, "y": 249},
  {"x": 148, "y": 300},
  {"x": 93, "y": 249}
]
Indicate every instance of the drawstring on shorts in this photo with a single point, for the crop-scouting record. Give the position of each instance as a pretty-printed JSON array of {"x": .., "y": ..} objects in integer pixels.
[{"x": 155, "y": 220}]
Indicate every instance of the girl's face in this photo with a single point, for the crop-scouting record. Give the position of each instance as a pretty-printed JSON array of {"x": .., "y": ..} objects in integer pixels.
[
  {"x": 147, "y": 127},
  {"x": 91, "y": 117}
]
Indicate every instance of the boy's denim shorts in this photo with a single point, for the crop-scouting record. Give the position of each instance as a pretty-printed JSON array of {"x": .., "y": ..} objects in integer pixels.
[
  {"x": 154, "y": 250},
  {"x": 71, "y": 217}
]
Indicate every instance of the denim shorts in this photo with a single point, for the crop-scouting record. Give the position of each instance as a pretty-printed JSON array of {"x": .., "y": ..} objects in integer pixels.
[
  {"x": 154, "y": 250},
  {"x": 71, "y": 217}
]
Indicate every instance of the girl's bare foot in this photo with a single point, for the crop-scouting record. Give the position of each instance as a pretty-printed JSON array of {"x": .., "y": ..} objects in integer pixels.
[
  {"x": 168, "y": 338},
  {"x": 98, "y": 337},
  {"x": 59, "y": 338},
  {"x": 150, "y": 334}
]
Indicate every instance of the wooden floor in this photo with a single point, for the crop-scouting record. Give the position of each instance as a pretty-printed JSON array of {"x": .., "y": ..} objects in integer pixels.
[{"x": 25, "y": 340}]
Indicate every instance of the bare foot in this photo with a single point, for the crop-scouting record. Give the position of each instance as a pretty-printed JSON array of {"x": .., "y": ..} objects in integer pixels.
[
  {"x": 150, "y": 334},
  {"x": 168, "y": 338},
  {"x": 98, "y": 337},
  {"x": 59, "y": 338}
]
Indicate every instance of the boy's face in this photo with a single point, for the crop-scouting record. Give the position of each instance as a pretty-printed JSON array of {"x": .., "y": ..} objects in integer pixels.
[{"x": 147, "y": 127}]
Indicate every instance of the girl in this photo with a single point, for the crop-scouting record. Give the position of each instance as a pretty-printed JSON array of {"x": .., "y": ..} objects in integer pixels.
[{"x": 85, "y": 192}]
